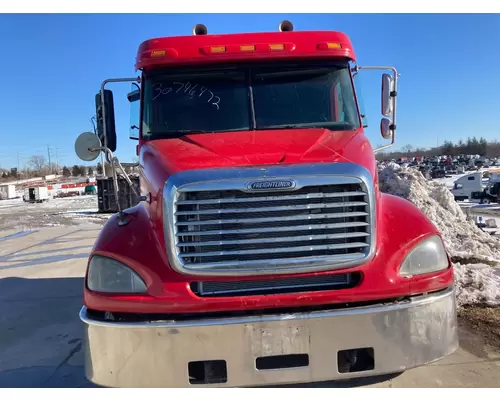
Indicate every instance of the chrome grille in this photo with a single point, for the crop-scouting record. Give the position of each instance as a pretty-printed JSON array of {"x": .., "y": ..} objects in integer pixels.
[{"x": 225, "y": 228}]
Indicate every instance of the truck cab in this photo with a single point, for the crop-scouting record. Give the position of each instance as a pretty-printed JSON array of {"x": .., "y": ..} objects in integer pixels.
[
  {"x": 482, "y": 187},
  {"x": 262, "y": 250}
]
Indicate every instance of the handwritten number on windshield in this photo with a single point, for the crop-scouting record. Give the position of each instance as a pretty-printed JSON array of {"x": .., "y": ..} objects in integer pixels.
[
  {"x": 217, "y": 102},
  {"x": 211, "y": 96},
  {"x": 180, "y": 84},
  {"x": 159, "y": 90},
  {"x": 192, "y": 92}
]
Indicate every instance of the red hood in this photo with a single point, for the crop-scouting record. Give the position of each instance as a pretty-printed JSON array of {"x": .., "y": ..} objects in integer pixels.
[{"x": 258, "y": 148}]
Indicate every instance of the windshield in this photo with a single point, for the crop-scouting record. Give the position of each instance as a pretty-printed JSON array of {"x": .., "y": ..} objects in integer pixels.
[{"x": 249, "y": 97}]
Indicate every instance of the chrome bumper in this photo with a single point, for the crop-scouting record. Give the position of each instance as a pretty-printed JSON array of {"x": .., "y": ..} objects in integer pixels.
[{"x": 157, "y": 354}]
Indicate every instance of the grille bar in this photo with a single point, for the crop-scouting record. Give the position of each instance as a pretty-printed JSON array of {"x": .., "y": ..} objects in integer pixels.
[
  {"x": 280, "y": 239},
  {"x": 270, "y": 198},
  {"x": 276, "y": 250},
  {"x": 273, "y": 219},
  {"x": 278, "y": 229},
  {"x": 267, "y": 209}
]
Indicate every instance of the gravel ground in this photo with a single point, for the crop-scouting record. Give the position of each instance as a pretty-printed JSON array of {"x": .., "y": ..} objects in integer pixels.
[{"x": 483, "y": 321}]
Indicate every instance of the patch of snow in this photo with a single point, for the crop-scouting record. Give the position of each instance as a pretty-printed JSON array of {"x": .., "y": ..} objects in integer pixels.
[
  {"x": 449, "y": 182},
  {"x": 84, "y": 211},
  {"x": 11, "y": 202},
  {"x": 471, "y": 249},
  {"x": 477, "y": 284}
]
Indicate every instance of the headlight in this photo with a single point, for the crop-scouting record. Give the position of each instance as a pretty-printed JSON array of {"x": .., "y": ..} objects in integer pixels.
[
  {"x": 111, "y": 276},
  {"x": 427, "y": 256}
]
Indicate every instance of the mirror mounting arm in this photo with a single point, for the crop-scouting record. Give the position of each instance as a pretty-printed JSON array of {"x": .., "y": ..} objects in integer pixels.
[
  {"x": 88, "y": 146},
  {"x": 115, "y": 163}
]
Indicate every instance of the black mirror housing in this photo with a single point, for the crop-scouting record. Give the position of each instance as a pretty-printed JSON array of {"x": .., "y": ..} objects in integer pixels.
[
  {"x": 108, "y": 103},
  {"x": 134, "y": 96}
]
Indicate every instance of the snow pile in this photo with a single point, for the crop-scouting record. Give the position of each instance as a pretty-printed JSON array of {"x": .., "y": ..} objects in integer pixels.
[
  {"x": 475, "y": 253},
  {"x": 476, "y": 284}
]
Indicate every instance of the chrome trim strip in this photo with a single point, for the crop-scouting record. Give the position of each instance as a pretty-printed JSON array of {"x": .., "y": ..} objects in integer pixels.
[
  {"x": 410, "y": 303},
  {"x": 239, "y": 179},
  {"x": 277, "y": 266}
]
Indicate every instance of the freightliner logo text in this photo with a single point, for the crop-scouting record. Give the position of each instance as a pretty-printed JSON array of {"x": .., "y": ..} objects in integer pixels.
[{"x": 263, "y": 185}]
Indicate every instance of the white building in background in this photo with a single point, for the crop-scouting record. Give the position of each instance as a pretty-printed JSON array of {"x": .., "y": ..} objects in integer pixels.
[{"x": 7, "y": 191}]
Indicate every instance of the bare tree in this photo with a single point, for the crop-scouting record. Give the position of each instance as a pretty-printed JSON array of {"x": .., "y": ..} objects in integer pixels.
[
  {"x": 37, "y": 163},
  {"x": 407, "y": 148}
]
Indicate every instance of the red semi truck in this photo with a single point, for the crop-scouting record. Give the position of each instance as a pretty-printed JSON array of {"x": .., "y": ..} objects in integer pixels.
[{"x": 262, "y": 250}]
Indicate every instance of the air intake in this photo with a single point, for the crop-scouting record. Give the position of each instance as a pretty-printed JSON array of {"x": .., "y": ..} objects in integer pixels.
[
  {"x": 200, "y": 29},
  {"x": 286, "y": 26}
]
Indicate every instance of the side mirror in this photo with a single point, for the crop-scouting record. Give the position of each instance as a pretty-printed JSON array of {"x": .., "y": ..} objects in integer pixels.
[
  {"x": 389, "y": 95},
  {"x": 385, "y": 128},
  {"x": 87, "y": 146},
  {"x": 106, "y": 104},
  {"x": 387, "y": 89},
  {"x": 135, "y": 95}
]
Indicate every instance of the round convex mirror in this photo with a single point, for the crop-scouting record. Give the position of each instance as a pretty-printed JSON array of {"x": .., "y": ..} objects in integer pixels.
[{"x": 84, "y": 145}]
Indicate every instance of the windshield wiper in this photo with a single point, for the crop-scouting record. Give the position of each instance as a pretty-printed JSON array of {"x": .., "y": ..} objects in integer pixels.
[
  {"x": 176, "y": 131},
  {"x": 285, "y": 126},
  {"x": 171, "y": 133},
  {"x": 314, "y": 125},
  {"x": 182, "y": 132}
]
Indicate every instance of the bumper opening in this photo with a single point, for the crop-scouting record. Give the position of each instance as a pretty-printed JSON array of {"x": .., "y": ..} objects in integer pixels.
[
  {"x": 356, "y": 360},
  {"x": 282, "y": 361},
  {"x": 207, "y": 372}
]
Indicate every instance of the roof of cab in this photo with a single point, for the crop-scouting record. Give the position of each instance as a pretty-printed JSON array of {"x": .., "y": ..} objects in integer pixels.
[{"x": 183, "y": 50}]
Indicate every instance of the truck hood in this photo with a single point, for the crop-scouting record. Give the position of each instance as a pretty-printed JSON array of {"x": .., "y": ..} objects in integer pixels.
[{"x": 229, "y": 149}]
